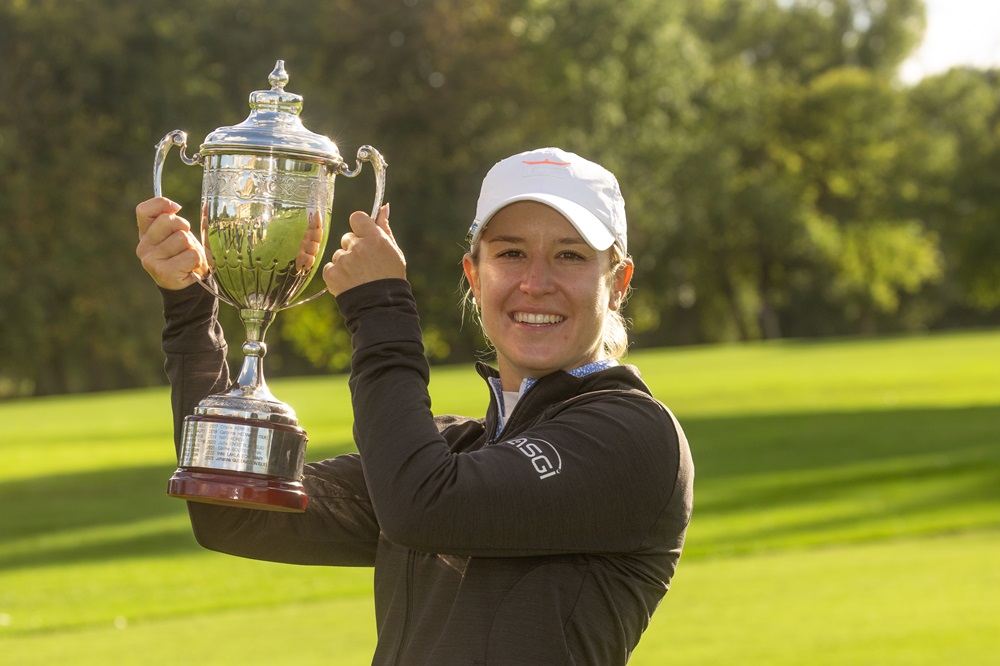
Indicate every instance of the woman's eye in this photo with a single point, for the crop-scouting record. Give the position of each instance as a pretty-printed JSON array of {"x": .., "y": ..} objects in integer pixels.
[
  {"x": 573, "y": 256},
  {"x": 510, "y": 253}
]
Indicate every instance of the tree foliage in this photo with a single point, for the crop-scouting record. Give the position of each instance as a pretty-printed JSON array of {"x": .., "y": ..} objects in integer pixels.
[
  {"x": 779, "y": 179},
  {"x": 962, "y": 204}
]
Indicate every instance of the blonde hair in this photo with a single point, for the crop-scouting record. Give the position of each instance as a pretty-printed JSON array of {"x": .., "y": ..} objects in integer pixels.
[{"x": 614, "y": 337}]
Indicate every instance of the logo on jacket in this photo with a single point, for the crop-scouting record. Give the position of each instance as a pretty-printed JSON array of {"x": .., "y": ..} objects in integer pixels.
[{"x": 544, "y": 457}]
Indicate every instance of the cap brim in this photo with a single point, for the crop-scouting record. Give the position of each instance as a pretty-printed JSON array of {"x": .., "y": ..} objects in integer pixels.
[{"x": 586, "y": 223}]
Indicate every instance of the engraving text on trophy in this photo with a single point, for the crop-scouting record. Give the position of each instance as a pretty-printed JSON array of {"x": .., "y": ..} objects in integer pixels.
[{"x": 232, "y": 446}]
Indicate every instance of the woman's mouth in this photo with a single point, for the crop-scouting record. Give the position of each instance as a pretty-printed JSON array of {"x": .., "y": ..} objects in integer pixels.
[{"x": 534, "y": 319}]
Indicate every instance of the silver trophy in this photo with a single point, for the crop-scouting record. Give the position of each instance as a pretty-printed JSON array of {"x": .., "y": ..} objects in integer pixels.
[{"x": 266, "y": 200}]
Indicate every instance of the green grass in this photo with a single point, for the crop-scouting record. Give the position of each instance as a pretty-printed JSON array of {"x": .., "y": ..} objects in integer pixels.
[{"x": 847, "y": 511}]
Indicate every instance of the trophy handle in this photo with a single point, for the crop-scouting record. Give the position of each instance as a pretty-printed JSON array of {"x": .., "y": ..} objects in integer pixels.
[
  {"x": 372, "y": 156},
  {"x": 175, "y": 138},
  {"x": 179, "y": 138},
  {"x": 369, "y": 154},
  {"x": 215, "y": 292}
]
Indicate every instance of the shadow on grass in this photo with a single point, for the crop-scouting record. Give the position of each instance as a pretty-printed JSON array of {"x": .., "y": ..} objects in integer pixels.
[
  {"x": 774, "y": 443},
  {"x": 68, "y": 506},
  {"x": 766, "y": 482},
  {"x": 96, "y": 515},
  {"x": 762, "y": 481},
  {"x": 165, "y": 542}
]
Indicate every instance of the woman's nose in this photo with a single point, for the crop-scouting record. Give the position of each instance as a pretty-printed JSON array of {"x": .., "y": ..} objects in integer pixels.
[{"x": 537, "y": 277}]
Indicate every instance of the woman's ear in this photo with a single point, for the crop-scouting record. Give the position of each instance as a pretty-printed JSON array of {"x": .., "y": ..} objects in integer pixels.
[
  {"x": 622, "y": 279},
  {"x": 471, "y": 274}
]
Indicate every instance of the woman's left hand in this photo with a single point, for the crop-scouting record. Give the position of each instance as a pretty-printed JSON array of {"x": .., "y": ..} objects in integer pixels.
[{"x": 367, "y": 253}]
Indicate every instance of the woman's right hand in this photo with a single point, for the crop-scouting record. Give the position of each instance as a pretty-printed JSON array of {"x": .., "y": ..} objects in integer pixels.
[{"x": 168, "y": 250}]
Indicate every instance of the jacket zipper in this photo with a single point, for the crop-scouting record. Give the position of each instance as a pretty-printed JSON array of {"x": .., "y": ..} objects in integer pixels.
[{"x": 496, "y": 435}]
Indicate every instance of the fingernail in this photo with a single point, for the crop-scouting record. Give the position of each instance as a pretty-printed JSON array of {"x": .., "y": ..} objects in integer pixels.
[
  {"x": 174, "y": 204},
  {"x": 386, "y": 206}
]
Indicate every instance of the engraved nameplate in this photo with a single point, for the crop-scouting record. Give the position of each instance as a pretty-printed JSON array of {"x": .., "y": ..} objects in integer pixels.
[{"x": 230, "y": 446}]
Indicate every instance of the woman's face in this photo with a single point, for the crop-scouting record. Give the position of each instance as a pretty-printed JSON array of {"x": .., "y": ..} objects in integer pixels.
[{"x": 543, "y": 292}]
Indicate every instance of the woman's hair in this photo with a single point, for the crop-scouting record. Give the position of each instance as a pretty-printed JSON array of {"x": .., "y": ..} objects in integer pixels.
[{"x": 614, "y": 337}]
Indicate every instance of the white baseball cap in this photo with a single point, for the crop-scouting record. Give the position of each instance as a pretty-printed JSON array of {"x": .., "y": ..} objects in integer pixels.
[{"x": 585, "y": 193}]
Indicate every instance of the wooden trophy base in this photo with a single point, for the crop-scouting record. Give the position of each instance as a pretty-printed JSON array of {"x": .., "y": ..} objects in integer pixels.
[{"x": 249, "y": 491}]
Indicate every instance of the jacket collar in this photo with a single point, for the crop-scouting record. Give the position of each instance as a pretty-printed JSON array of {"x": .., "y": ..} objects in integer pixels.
[{"x": 557, "y": 387}]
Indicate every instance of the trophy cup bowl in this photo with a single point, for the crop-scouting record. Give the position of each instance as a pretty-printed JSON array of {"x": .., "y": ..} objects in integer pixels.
[{"x": 267, "y": 196}]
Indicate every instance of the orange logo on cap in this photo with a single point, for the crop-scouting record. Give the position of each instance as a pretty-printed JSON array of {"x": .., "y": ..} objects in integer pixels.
[{"x": 547, "y": 161}]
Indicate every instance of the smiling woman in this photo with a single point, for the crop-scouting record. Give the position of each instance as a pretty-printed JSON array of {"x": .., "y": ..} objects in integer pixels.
[
  {"x": 545, "y": 532},
  {"x": 544, "y": 295}
]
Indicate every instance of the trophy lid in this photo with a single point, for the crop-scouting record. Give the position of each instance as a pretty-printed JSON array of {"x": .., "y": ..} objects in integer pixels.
[{"x": 273, "y": 127}]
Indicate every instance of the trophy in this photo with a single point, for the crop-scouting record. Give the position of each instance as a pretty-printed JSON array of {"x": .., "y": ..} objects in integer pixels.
[{"x": 266, "y": 199}]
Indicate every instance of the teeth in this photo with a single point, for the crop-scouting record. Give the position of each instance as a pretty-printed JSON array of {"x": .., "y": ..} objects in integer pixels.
[{"x": 527, "y": 318}]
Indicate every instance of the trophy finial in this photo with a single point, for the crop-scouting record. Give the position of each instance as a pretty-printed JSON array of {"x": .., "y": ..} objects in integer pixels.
[
  {"x": 273, "y": 126},
  {"x": 279, "y": 77},
  {"x": 277, "y": 98}
]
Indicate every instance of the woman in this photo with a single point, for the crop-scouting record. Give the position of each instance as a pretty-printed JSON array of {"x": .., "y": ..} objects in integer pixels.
[{"x": 546, "y": 532}]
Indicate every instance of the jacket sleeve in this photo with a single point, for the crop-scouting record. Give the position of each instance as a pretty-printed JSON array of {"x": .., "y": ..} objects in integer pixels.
[
  {"x": 600, "y": 474},
  {"x": 338, "y": 526},
  {"x": 195, "y": 351}
]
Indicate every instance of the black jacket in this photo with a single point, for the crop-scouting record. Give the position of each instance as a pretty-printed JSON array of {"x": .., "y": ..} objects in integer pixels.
[{"x": 552, "y": 544}]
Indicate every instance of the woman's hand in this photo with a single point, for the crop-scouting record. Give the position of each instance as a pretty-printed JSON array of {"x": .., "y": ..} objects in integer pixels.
[
  {"x": 367, "y": 253},
  {"x": 167, "y": 249}
]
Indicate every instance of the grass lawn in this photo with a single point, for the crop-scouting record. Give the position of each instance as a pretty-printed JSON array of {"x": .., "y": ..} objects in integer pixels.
[{"x": 847, "y": 512}]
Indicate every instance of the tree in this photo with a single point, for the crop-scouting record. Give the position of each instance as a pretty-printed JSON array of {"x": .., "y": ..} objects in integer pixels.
[
  {"x": 94, "y": 87},
  {"x": 864, "y": 158},
  {"x": 779, "y": 180},
  {"x": 69, "y": 316},
  {"x": 752, "y": 207},
  {"x": 962, "y": 108}
]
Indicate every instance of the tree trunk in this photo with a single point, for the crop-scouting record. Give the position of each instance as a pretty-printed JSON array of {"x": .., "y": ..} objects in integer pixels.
[{"x": 767, "y": 316}]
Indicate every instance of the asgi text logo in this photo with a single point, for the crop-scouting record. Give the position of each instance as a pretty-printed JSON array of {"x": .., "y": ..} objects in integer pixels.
[{"x": 544, "y": 457}]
